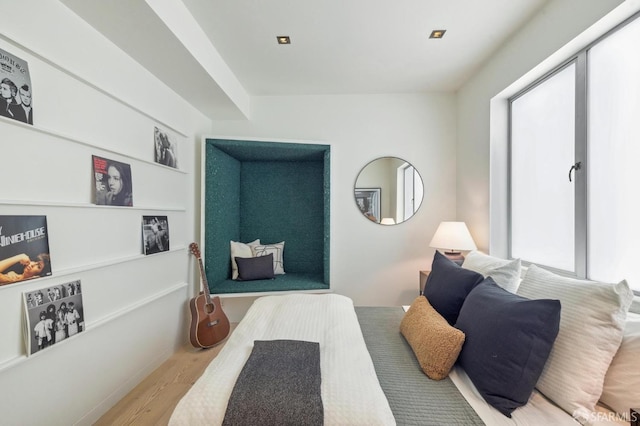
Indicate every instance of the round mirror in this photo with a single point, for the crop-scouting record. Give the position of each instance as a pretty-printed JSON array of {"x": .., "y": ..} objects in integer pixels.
[{"x": 388, "y": 190}]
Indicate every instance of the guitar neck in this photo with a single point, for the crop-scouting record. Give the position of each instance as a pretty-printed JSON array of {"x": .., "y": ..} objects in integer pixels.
[{"x": 205, "y": 284}]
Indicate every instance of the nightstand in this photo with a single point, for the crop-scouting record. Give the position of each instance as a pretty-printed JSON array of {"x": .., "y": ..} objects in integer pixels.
[{"x": 423, "y": 280}]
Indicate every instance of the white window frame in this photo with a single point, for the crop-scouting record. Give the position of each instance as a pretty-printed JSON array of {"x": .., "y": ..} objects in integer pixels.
[{"x": 581, "y": 142}]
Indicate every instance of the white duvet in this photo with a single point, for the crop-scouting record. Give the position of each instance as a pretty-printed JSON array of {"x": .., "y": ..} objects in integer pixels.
[{"x": 351, "y": 393}]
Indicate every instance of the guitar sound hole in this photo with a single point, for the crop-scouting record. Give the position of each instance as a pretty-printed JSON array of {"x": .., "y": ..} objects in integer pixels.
[{"x": 209, "y": 307}]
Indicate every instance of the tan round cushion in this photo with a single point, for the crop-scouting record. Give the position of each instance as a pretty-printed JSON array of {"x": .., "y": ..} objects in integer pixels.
[{"x": 435, "y": 343}]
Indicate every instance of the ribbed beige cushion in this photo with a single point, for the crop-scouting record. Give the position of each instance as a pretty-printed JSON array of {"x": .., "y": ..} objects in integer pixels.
[
  {"x": 622, "y": 383},
  {"x": 435, "y": 343},
  {"x": 592, "y": 320}
]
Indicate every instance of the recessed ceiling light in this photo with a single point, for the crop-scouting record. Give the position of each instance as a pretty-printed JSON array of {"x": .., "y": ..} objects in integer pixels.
[
  {"x": 437, "y": 33},
  {"x": 283, "y": 40}
]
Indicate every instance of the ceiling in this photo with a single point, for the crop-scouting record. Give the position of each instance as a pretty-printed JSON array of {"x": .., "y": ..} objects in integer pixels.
[{"x": 217, "y": 54}]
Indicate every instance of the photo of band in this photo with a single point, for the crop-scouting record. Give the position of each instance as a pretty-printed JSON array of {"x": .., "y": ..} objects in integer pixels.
[
  {"x": 53, "y": 314},
  {"x": 15, "y": 88}
]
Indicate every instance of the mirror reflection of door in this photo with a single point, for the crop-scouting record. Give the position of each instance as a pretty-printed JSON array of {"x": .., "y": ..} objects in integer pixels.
[
  {"x": 388, "y": 190},
  {"x": 411, "y": 185}
]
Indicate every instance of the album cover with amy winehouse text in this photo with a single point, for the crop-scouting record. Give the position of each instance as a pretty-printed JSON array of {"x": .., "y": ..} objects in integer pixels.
[{"x": 24, "y": 248}]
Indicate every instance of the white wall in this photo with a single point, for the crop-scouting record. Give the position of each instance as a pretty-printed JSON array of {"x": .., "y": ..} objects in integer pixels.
[
  {"x": 556, "y": 24},
  {"x": 90, "y": 98},
  {"x": 373, "y": 264}
]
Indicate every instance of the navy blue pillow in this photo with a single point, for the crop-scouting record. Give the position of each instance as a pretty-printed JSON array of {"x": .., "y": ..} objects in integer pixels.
[
  {"x": 508, "y": 340},
  {"x": 448, "y": 285},
  {"x": 255, "y": 268}
]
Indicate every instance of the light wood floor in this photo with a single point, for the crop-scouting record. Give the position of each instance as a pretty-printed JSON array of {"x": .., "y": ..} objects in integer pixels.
[{"x": 153, "y": 400}]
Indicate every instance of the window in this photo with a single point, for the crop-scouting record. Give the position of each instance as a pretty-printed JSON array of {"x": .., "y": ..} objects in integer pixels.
[
  {"x": 574, "y": 145},
  {"x": 614, "y": 154},
  {"x": 542, "y": 198}
]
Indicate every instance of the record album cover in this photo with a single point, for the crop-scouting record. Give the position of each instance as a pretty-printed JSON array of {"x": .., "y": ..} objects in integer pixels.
[
  {"x": 52, "y": 314},
  {"x": 15, "y": 88},
  {"x": 24, "y": 248},
  {"x": 113, "y": 184},
  {"x": 155, "y": 234},
  {"x": 165, "y": 149}
]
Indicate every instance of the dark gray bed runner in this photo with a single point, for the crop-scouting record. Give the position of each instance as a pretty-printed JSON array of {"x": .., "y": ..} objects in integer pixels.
[
  {"x": 413, "y": 397},
  {"x": 278, "y": 385}
]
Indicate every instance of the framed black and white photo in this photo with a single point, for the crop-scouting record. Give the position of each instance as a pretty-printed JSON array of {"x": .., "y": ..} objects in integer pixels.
[
  {"x": 52, "y": 314},
  {"x": 368, "y": 201},
  {"x": 155, "y": 234},
  {"x": 15, "y": 88},
  {"x": 165, "y": 149}
]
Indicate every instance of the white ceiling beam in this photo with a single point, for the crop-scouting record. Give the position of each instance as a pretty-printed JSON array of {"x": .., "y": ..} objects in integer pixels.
[{"x": 183, "y": 25}]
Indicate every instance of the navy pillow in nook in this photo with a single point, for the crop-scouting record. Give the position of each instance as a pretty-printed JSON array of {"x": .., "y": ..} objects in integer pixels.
[
  {"x": 448, "y": 285},
  {"x": 508, "y": 341},
  {"x": 255, "y": 268}
]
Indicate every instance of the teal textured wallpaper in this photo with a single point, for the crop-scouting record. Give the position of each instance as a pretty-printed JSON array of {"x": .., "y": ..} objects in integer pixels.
[
  {"x": 273, "y": 191},
  {"x": 222, "y": 203}
]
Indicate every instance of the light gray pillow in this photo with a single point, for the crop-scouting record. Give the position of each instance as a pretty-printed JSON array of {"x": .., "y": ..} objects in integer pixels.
[
  {"x": 592, "y": 320},
  {"x": 506, "y": 273},
  {"x": 239, "y": 249}
]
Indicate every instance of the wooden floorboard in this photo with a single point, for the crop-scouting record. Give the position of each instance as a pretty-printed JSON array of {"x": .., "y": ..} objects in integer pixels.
[{"x": 152, "y": 401}]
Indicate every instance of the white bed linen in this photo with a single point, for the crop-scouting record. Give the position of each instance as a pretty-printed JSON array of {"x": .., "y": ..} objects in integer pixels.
[
  {"x": 538, "y": 411},
  {"x": 351, "y": 393}
]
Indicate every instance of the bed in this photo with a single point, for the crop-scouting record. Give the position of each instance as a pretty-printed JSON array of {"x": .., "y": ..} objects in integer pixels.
[
  {"x": 350, "y": 390},
  {"x": 369, "y": 372}
]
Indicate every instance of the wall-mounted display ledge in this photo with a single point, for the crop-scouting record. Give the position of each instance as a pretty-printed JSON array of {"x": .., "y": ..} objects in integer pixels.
[
  {"x": 111, "y": 262},
  {"x": 57, "y": 273},
  {"x": 270, "y": 293},
  {"x": 88, "y": 205},
  {"x": 85, "y": 143},
  {"x": 93, "y": 325},
  {"x": 88, "y": 83}
]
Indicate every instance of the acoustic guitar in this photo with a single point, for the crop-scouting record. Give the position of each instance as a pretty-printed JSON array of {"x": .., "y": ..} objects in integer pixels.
[{"x": 209, "y": 324}]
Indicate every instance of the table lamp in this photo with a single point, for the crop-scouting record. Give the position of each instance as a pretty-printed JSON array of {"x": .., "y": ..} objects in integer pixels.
[{"x": 453, "y": 237}]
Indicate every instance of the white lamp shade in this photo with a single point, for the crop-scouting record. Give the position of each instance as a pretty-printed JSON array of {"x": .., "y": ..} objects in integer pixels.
[
  {"x": 387, "y": 221},
  {"x": 453, "y": 236}
]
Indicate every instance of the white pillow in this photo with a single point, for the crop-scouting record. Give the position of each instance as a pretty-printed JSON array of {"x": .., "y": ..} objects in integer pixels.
[
  {"x": 622, "y": 382},
  {"x": 277, "y": 250},
  {"x": 506, "y": 273},
  {"x": 591, "y": 323},
  {"x": 240, "y": 250}
]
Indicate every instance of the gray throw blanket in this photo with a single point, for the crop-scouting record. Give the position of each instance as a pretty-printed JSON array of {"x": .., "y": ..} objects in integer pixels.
[
  {"x": 415, "y": 399},
  {"x": 278, "y": 385}
]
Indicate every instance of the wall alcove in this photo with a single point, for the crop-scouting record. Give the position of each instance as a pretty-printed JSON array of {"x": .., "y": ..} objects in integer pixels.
[{"x": 274, "y": 191}]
